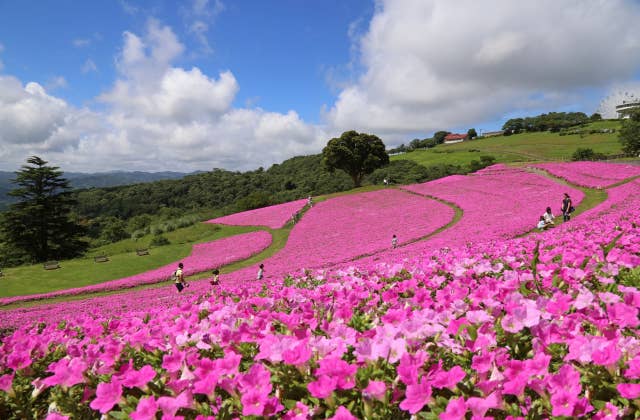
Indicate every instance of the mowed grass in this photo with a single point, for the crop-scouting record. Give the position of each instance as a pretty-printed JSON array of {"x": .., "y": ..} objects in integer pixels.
[
  {"x": 524, "y": 147},
  {"x": 123, "y": 261}
]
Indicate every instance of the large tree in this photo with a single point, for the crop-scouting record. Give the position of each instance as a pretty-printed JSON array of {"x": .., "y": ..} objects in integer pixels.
[
  {"x": 630, "y": 134},
  {"x": 39, "y": 227},
  {"x": 358, "y": 154}
]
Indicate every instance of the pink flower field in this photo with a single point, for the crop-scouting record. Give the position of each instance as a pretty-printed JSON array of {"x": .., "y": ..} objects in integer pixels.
[
  {"x": 591, "y": 174},
  {"x": 498, "y": 202},
  {"x": 541, "y": 326},
  {"x": 203, "y": 257},
  {"x": 273, "y": 216}
]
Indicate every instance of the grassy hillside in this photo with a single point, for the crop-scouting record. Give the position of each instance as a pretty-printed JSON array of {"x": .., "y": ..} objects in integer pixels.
[{"x": 524, "y": 147}]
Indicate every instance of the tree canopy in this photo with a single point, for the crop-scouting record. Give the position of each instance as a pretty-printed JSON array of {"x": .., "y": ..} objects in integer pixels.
[
  {"x": 553, "y": 121},
  {"x": 39, "y": 227},
  {"x": 630, "y": 134},
  {"x": 357, "y": 154}
]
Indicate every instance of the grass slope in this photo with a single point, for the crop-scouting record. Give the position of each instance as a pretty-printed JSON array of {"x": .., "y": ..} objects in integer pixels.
[{"x": 524, "y": 147}]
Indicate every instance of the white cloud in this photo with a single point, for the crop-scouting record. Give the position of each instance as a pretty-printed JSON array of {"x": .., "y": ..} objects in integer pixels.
[
  {"x": 56, "y": 82},
  {"x": 436, "y": 64},
  {"x": 157, "y": 117},
  {"x": 89, "y": 66},
  {"x": 81, "y": 42}
]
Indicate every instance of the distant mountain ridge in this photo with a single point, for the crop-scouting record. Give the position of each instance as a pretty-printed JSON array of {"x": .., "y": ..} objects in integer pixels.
[{"x": 79, "y": 180}]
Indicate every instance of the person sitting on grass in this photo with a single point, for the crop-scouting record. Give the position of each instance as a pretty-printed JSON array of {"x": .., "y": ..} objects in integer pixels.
[
  {"x": 542, "y": 225},
  {"x": 548, "y": 217}
]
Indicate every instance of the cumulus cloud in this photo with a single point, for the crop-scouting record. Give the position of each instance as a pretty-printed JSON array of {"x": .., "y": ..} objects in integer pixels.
[
  {"x": 155, "y": 117},
  {"x": 437, "y": 64}
]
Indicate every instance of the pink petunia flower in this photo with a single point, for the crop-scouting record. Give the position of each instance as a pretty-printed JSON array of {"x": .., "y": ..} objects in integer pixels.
[
  {"x": 107, "y": 395},
  {"x": 630, "y": 391},
  {"x": 416, "y": 397},
  {"x": 146, "y": 409},
  {"x": 456, "y": 409},
  {"x": 376, "y": 389},
  {"x": 322, "y": 387},
  {"x": 343, "y": 414}
]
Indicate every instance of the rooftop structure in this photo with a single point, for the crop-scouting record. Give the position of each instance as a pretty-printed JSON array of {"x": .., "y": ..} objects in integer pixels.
[{"x": 624, "y": 109}]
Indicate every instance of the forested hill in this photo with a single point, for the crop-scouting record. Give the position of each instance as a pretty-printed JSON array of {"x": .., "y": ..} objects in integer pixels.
[
  {"x": 226, "y": 191},
  {"x": 83, "y": 180}
]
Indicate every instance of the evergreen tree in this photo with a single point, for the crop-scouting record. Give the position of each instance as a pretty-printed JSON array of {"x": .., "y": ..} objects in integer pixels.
[{"x": 39, "y": 226}]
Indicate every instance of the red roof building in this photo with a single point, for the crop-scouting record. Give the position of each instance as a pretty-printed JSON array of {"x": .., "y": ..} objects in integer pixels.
[{"x": 455, "y": 138}]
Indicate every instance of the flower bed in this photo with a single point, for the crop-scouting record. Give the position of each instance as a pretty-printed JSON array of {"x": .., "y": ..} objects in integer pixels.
[
  {"x": 273, "y": 216},
  {"x": 203, "y": 257},
  {"x": 540, "y": 326},
  {"x": 591, "y": 174},
  {"x": 497, "y": 202}
]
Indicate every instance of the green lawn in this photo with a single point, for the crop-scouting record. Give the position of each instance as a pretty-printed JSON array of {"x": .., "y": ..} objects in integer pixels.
[
  {"x": 123, "y": 261},
  {"x": 524, "y": 147}
]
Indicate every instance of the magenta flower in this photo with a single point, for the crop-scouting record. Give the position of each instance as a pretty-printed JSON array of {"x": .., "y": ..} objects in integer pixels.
[
  {"x": 375, "y": 389},
  {"x": 169, "y": 405},
  {"x": 448, "y": 379},
  {"x": 6, "y": 382},
  {"x": 299, "y": 412},
  {"x": 146, "y": 409},
  {"x": 630, "y": 391},
  {"x": 633, "y": 372},
  {"x": 343, "y": 414},
  {"x": 563, "y": 403},
  {"x": 456, "y": 409},
  {"x": 66, "y": 372},
  {"x": 322, "y": 387},
  {"x": 479, "y": 406},
  {"x": 416, "y": 397},
  {"x": 108, "y": 394},
  {"x": 56, "y": 416},
  {"x": 623, "y": 315},
  {"x": 19, "y": 360},
  {"x": 337, "y": 368},
  {"x": 298, "y": 355},
  {"x": 253, "y": 402},
  {"x": 138, "y": 378}
]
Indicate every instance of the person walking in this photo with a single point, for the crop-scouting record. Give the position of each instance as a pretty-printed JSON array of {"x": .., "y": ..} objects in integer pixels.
[
  {"x": 215, "y": 280},
  {"x": 567, "y": 208},
  {"x": 394, "y": 241},
  {"x": 310, "y": 201},
  {"x": 260, "y": 272},
  {"x": 178, "y": 276}
]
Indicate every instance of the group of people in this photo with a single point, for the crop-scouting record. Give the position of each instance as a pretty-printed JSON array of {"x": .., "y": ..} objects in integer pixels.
[
  {"x": 181, "y": 283},
  {"x": 547, "y": 219}
]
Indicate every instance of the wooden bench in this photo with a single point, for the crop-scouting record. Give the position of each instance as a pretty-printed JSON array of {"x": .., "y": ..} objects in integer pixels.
[
  {"x": 100, "y": 258},
  {"x": 51, "y": 265},
  {"x": 141, "y": 252}
]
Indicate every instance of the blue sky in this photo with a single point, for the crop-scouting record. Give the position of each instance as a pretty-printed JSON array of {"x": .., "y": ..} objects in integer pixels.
[{"x": 199, "y": 84}]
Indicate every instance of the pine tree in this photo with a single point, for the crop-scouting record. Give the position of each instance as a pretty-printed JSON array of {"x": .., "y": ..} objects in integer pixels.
[{"x": 39, "y": 226}]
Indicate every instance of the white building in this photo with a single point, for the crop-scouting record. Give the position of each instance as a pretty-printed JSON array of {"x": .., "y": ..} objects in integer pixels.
[{"x": 624, "y": 109}]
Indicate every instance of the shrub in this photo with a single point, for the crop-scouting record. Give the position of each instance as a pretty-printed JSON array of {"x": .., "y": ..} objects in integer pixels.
[
  {"x": 159, "y": 240},
  {"x": 586, "y": 154}
]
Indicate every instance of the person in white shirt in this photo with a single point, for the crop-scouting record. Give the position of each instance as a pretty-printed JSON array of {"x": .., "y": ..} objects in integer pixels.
[
  {"x": 548, "y": 217},
  {"x": 541, "y": 223}
]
